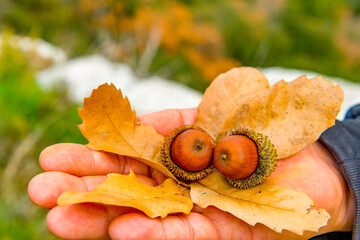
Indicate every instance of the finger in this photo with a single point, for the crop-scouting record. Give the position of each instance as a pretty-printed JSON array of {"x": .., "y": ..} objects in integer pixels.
[
  {"x": 115, "y": 211},
  {"x": 212, "y": 223},
  {"x": 165, "y": 121},
  {"x": 79, "y": 160},
  {"x": 228, "y": 226},
  {"x": 45, "y": 188},
  {"x": 157, "y": 176},
  {"x": 92, "y": 182},
  {"x": 84, "y": 220},
  {"x": 79, "y": 221},
  {"x": 231, "y": 227},
  {"x": 191, "y": 226}
]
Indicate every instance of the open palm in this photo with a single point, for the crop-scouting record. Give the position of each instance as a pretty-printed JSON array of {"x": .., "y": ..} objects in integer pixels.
[{"x": 74, "y": 167}]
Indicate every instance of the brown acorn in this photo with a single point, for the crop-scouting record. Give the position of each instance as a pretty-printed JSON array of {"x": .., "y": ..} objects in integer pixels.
[
  {"x": 244, "y": 157},
  {"x": 187, "y": 152},
  {"x": 236, "y": 156}
]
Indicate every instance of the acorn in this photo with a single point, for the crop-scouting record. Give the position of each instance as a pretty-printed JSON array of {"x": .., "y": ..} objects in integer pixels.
[
  {"x": 244, "y": 157},
  {"x": 187, "y": 153}
]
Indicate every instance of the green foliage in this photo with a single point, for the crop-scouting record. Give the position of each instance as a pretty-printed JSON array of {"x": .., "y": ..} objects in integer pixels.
[
  {"x": 168, "y": 66},
  {"x": 310, "y": 28},
  {"x": 16, "y": 226},
  {"x": 30, "y": 120},
  {"x": 23, "y": 105},
  {"x": 294, "y": 33},
  {"x": 321, "y": 36},
  {"x": 298, "y": 34},
  {"x": 56, "y": 21}
]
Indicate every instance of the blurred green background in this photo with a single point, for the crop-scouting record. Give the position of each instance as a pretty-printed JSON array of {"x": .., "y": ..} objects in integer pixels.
[{"x": 190, "y": 42}]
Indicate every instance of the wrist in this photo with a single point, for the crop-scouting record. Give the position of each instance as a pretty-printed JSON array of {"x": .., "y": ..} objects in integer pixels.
[{"x": 344, "y": 208}]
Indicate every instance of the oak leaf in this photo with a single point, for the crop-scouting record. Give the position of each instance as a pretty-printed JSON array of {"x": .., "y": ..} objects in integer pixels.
[
  {"x": 292, "y": 114},
  {"x": 126, "y": 190},
  {"x": 223, "y": 95},
  {"x": 274, "y": 206},
  {"x": 109, "y": 124}
]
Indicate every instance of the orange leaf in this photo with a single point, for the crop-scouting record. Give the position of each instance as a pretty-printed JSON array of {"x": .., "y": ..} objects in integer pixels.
[
  {"x": 110, "y": 125},
  {"x": 126, "y": 190},
  {"x": 291, "y": 114}
]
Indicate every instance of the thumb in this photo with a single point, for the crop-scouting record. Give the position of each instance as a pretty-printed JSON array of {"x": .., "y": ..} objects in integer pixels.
[{"x": 166, "y": 120}]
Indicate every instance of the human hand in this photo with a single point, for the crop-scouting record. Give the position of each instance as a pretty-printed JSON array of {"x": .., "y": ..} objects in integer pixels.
[{"x": 73, "y": 167}]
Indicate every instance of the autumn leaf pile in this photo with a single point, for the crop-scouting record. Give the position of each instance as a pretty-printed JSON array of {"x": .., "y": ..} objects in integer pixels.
[{"x": 292, "y": 115}]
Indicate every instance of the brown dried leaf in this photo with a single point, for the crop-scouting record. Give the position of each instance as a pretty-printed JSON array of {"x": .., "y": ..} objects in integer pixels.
[
  {"x": 126, "y": 190},
  {"x": 292, "y": 114},
  {"x": 110, "y": 125},
  {"x": 275, "y": 206},
  {"x": 223, "y": 95}
]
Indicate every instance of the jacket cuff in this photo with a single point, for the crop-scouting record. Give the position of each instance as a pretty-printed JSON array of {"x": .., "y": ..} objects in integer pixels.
[{"x": 343, "y": 141}]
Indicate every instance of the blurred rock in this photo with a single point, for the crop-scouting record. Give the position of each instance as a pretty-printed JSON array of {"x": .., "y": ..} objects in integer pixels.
[{"x": 82, "y": 75}]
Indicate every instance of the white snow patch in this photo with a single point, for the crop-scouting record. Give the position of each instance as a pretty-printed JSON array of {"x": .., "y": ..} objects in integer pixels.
[
  {"x": 84, "y": 74},
  {"x": 155, "y": 94}
]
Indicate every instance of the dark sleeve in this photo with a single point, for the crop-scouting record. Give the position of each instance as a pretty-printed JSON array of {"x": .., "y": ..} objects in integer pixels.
[{"x": 343, "y": 141}]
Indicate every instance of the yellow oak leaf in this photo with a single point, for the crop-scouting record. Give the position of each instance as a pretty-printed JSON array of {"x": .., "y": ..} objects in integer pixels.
[
  {"x": 223, "y": 95},
  {"x": 126, "y": 190},
  {"x": 274, "y": 206},
  {"x": 109, "y": 124},
  {"x": 292, "y": 114}
]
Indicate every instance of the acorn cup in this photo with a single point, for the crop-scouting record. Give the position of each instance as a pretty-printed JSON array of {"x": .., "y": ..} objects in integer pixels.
[
  {"x": 187, "y": 153},
  {"x": 244, "y": 157}
]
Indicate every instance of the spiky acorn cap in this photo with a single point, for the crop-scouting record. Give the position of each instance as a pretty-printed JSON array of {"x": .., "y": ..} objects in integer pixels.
[
  {"x": 266, "y": 162},
  {"x": 175, "y": 169}
]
